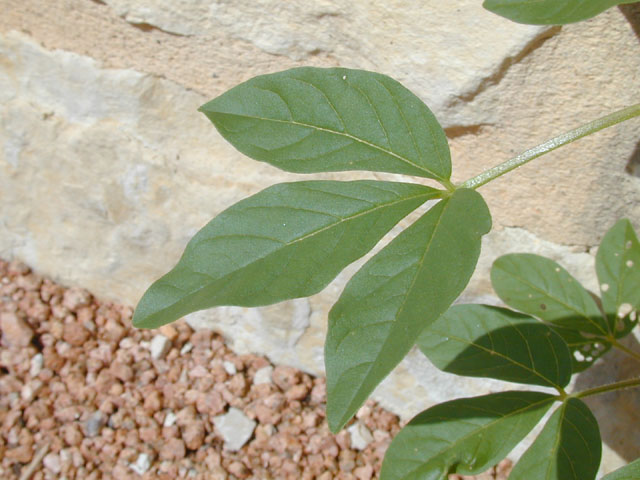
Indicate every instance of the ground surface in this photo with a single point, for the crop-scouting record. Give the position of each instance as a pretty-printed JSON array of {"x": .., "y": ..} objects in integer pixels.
[{"x": 85, "y": 396}]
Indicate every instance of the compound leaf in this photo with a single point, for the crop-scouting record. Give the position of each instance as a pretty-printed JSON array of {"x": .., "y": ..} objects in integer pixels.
[
  {"x": 568, "y": 448},
  {"x": 289, "y": 240},
  {"x": 618, "y": 270},
  {"x": 485, "y": 341},
  {"x": 309, "y": 120},
  {"x": 464, "y": 436},
  {"x": 396, "y": 294},
  {"x": 540, "y": 287},
  {"x": 628, "y": 472},
  {"x": 550, "y": 12}
]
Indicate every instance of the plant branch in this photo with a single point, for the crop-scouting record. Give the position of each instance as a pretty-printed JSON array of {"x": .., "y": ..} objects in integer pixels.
[
  {"x": 549, "y": 145},
  {"x": 632, "y": 382}
]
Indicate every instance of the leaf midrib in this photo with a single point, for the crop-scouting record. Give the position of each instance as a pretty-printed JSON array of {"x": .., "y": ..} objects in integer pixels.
[{"x": 431, "y": 173}]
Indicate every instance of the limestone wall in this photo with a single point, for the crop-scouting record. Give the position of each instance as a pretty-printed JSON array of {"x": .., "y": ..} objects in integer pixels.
[{"x": 106, "y": 168}]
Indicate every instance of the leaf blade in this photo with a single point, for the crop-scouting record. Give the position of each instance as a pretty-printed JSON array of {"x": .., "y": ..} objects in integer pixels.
[
  {"x": 485, "y": 341},
  {"x": 464, "y": 436},
  {"x": 540, "y": 287},
  {"x": 550, "y": 12},
  {"x": 618, "y": 271},
  {"x": 310, "y": 119},
  {"x": 395, "y": 295},
  {"x": 287, "y": 241},
  {"x": 568, "y": 448}
]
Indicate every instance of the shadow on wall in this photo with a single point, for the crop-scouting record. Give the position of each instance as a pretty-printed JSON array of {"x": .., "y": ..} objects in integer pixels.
[
  {"x": 633, "y": 166},
  {"x": 617, "y": 412},
  {"x": 632, "y": 14}
]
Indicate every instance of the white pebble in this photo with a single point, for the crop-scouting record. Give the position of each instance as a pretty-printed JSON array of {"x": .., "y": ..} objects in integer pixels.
[
  {"x": 143, "y": 463},
  {"x": 186, "y": 348},
  {"x": 230, "y": 368},
  {"x": 235, "y": 427},
  {"x": 52, "y": 462},
  {"x": 360, "y": 436},
  {"x": 37, "y": 362},
  {"x": 30, "y": 390},
  {"x": 263, "y": 375},
  {"x": 159, "y": 346},
  {"x": 170, "y": 419}
]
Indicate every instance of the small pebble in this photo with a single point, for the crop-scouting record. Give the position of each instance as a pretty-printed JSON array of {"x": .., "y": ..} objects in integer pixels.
[
  {"x": 15, "y": 331},
  {"x": 263, "y": 375},
  {"x": 93, "y": 425},
  {"x": 230, "y": 368},
  {"x": 36, "y": 364},
  {"x": 159, "y": 347},
  {"x": 360, "y": 436},
  {"x": 235, "y": 427},
  {"x": 142, "y": 464}
]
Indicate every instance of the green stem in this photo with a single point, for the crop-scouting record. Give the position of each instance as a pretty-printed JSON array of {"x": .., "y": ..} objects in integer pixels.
[
  {"x": 549, "y": 145},
  {"x": 632, "y": 382}
]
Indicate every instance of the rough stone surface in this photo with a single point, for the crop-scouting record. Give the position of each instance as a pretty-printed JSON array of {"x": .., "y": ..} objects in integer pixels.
[{"x": 235, "y": 427}]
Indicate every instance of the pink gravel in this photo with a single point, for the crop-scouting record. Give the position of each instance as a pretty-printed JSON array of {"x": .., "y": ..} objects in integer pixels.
[{"x": 82, "y": 397}]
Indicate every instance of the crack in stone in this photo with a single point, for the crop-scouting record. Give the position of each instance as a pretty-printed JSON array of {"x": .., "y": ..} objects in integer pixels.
[
  {"x": 147, "y": 27},
  {"x": 455, "y": 131},
  {"x": 504, "y": 67}
]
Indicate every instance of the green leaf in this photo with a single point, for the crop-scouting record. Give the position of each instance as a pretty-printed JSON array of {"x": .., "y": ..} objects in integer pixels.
[
  {"x": 484, "y": 341},
  {"x": 464, "y": 436},
  {"x": 323, "y": 120},
  {"x": 540, "y": 287},
  {"x": 397, "y": 293},
  {"x": 568, "y": 448},
  {"x": 585, "y": 348},
  {"x": 618, "y": 270},
  {"x": 550, "y": 12},
  {"x": 289, "y": 240},
  {"x": 628, "y": 472}
]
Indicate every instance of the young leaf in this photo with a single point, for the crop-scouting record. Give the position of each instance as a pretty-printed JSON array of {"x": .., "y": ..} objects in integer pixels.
[
  {"x": 618, "y": 270},
  {"x": 540, "y": 287},
  {"x": 484, "y": 341},
  {"x": 397, "y": 293},
  {"x": 464, "y": 436},
  {"x": 628, "y": 472},
  {"x": 289, "y": 240},
  {"x": 568, "y": 448},
  {"x": 550, "y": 12},
  {"x": 323, "y": 120}
]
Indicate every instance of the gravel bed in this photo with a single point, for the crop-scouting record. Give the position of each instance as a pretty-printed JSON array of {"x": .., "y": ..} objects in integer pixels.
[{"x": 85, "y": 396}]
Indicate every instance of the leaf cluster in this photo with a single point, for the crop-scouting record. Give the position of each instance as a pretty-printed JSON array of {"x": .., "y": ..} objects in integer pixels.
[{"x": 292, "y": 239}]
